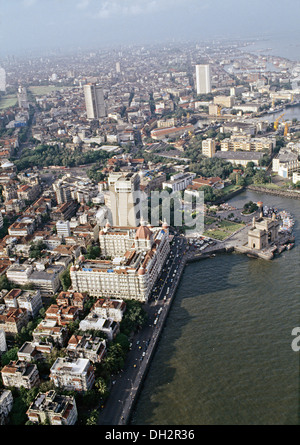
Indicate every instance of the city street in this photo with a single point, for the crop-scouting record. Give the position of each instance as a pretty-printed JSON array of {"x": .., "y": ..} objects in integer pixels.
[{"x": 116, "y": 405}]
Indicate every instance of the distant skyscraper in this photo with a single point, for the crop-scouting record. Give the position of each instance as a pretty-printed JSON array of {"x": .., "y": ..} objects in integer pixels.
[
  {"x": 62, "y": 192},
  {"x": 22, "y": 97},
  {"x": 203, "y": 79},
  {"x": 118, "y": 67},
  {"x": 3, "y": 347},
  {"x": 123, "y": 189},
  {"x": 2, "y": 79},
  {"x": 208, "y": 147},
  {"x": 94, "y": 101}
]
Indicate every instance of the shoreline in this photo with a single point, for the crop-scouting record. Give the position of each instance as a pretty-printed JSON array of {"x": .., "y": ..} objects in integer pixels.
[
  {"x": 191, "y": 257},
  {"x": 283, "y": 193}
]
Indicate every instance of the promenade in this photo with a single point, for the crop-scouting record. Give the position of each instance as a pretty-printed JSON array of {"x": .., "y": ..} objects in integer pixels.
[
  {"x": 127, "y": 385},
  {"x": 125, "y": 391}
]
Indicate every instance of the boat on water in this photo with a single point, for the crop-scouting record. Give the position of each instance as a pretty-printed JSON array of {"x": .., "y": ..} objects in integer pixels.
[
  {"x": 287, "y": 222},
  {"x": 280, "y": 249},
  {"x": 290, "y": 246}
]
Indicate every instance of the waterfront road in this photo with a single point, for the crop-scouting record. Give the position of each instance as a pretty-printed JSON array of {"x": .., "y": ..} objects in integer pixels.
[{"x": 126, "y": 384}]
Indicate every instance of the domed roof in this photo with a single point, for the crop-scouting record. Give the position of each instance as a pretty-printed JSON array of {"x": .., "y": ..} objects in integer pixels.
[
  {"x": 141, "y": 271},
  {"x": 73, "y": 268},
  {"x": 81, "y": 258},
  {"x": 76, "y": 140},
  {"x": 143, "y": 232}
]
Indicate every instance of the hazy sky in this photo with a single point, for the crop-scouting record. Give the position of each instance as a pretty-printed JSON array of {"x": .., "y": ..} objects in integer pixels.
[{"x": 33, "y": 24}]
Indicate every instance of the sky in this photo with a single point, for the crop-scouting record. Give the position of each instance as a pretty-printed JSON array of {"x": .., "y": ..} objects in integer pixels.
[{"x": 44, "y": 24}]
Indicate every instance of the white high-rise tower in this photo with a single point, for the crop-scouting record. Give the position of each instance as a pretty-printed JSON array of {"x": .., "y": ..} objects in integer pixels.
[
  {"x": 203, "y": 79},
  {"x": 3, "y": 346},
  {"x": 2, "y": 79},
  {"x": 94, "y": 101}
]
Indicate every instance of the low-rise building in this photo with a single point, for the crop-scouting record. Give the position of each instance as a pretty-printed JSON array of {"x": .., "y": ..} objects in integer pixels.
[
  {"x": 216, "y": 183},
  {"x": 29, "y": 299},
  {"x": 30, "y": 351},
  {"x": 286, "y": 163},
  {"x": 6, "y": 404},
  {"x": 71, "y": 298},
  {"x": 63, "y": 315},
  {"x": 12, "y": 320},
  {"x": 172, "y": 132},
  {"x": 86, "y": 346},
  {"x": 110, "y": 308},
  {"x": 296, "y": 177},
  {"x": 179, "y": 182},
  {"x": 19, "y": 373},
  {"x": 49, "y": 330},
  {"x": 47, "y": 280},
  {"x": 94, "y": 322},
  {"x": 72, "y": 375},
  {"x": 225, "y": 101},
  {"x": 19, "y": 273},
  {"x": 53, "y": 408},
  {"x": 240, "y": 157},
  {"x": 247, "y": 144}
]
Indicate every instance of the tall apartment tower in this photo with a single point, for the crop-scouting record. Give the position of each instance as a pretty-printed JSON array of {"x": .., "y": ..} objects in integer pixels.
[
  {"x": 203, "y": 79},
  {"x": 2, "y": 79},
  {"x": 118, "y": 67},
  {"x": 209, "y": 147},
  {"x": 3, "y": 346},
  {"x": 94, "y": 101},
  {"x": 22, "y": 97},
  {"x": 123, "y": 194},
  {"x": 62, "y": 192}
]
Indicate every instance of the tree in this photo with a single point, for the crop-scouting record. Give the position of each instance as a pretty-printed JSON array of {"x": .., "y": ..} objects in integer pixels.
[
  {"x": 5, "y": 283},
  {"x": 101, "y": 387},
  {"x": 93, "y": 252},
  {"x": 10, "y": 355},
  {"x": 36, "y": 249},
  {"x": 134, "y": 317},
  {"x": 92, "y": 420},
  {"x": 123, "y": 341},
  {"x": 65, "y": 279},
  {"x": 260, "y": 177},
  {"x": 249, "y": 207},
  {"x": 249, "y": 170}
]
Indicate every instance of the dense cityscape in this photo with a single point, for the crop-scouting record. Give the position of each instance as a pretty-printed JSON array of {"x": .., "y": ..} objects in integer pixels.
[{"x": 85, "y": 289}]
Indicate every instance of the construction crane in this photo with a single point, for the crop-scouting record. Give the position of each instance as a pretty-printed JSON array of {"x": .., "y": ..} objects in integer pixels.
[
  {"x": 276, "y": 123},
  {"x": 286, "y": 129}
]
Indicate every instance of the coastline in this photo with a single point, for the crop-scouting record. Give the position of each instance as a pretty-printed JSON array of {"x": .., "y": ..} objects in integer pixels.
[
  {"x": 223, "y": 248},
  {"x": 283, "y": 193}
]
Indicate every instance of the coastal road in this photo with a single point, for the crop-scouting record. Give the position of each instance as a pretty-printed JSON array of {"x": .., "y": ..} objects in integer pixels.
[{"x": 123, "y": 385}]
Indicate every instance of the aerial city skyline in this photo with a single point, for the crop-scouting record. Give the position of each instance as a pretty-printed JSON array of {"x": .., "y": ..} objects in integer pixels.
[
  {"x": 46, "y": 25},
  {"x": 138, "y": 139}
]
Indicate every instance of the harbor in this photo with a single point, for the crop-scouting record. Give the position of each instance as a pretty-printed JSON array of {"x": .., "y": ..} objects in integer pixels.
[
  {"x": 237, "y": 313},
  {"x": 189, "y": 255}
]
